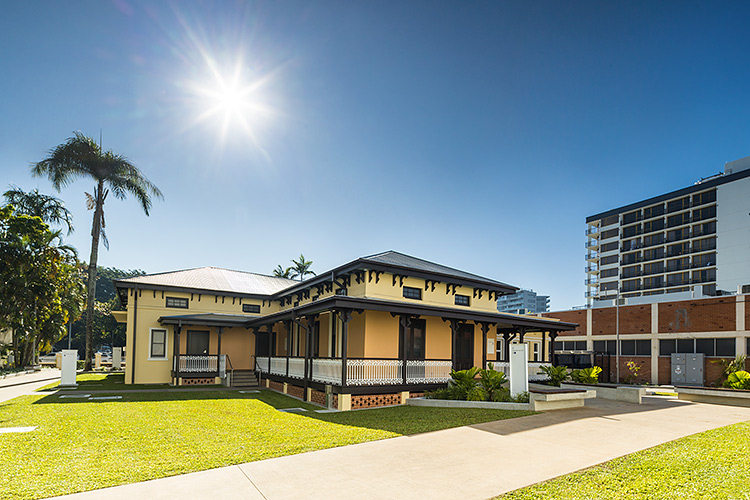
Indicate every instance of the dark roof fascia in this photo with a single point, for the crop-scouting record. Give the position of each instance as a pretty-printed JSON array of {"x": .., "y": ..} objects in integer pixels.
[
  {"x": 680, "y": 192},
  {"x": 204, "y": 291},
  {"x": 344, "y": 302},
  {"x": 207, "y": 320},
  {"x": 364, "y": 264}
]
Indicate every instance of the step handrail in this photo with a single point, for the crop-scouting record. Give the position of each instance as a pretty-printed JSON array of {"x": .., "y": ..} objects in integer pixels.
[{"x": 231, "y": 370}]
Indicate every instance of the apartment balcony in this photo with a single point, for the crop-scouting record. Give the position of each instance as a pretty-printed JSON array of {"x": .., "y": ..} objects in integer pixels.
[
  {"x": 592, "y": 256},
  {"x": 591, "y": 294},
  {"x": 591, "y": 281},
  {"x": 592, "y": 232},
  {"x": 592, "y": 244},
  {"x": 591, "y": 269}
]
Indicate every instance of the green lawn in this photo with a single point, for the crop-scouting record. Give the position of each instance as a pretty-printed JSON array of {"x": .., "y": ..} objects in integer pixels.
[
  {"x": 712, "y": 464},
  {"x": 82, "y": 444}
]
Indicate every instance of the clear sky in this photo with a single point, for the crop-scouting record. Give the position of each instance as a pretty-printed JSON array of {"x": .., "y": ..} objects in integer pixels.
[{"x": 478, "y": 135}]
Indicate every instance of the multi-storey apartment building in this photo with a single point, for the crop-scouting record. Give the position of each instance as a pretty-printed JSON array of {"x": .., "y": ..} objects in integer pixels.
[
  {"x": 523, "y": 302},
  {"x": 693, "y": 242}
]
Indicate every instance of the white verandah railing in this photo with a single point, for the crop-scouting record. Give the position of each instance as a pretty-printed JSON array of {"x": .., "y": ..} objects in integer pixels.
[
  {"x": 360, "y": 372},
  {"x": 198, "y": 364}
]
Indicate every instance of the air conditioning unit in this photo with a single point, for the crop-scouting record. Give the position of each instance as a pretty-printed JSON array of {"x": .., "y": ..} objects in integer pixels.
[{"x": 743, "y": 289}]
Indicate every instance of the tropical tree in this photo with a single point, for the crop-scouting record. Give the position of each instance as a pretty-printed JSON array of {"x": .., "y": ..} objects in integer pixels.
[
  {"x": 41, "y": 289},
  {"x": 48, "y": 208},
  {"x": 301, "y": 268},
  {"x": 82, "y": 157},
  {"x": 280, "y": 272}
]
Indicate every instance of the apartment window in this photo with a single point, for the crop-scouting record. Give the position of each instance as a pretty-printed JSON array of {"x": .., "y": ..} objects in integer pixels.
[
  {"x": 177, "y": 302},
  {"x": 653, "y": 282},
  {"x": 609, "y": 247},
  {"x": 676, "y": 205},
  {"x": 412, "y": 293},
  {"x": 654, "y": 225},
  {"x": 630, "y": 258},
  {"x": 631, "y": 272},
  {"x": 653, "y": 268},
  {"x": 631, "y": 217},
  {"x": 653, "y": 254},
  {"x": 678, "y": 234},
  {"x": 612, "y": 219},
  {"x": 678, "y": 264},
  {"x": 678, "y": 279},
  {"x": 631, "y": 285},
  {"x": 703, "y": 198},
  {"x": 631, "y": 231},
  {"x": 158, "y": 343},
  {"x": 704, "y": 276},
  {"x": 654, "y": 211},
  {"x": 612, "y": 259},
  {"x": 608, "y": 273},
  {"x": 612, "y": 285},
  {"x": 610, "y": 233},
  {"x": 704, "y": 229},
  {"x": 251, "y": 308},
  {"x": 678, "y": 220},
  {"x": 704, "y": 213},
  {"x": 705, "y": 260},
  {"x": 461, "y": 300},
  {"x": 704, "y": 244},
  {"x": 678, "y": 249},
  {"x": 654, "y": 239}
]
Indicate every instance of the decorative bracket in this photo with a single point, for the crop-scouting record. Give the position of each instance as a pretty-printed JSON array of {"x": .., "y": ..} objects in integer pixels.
[{"x": 377, "y": 276}]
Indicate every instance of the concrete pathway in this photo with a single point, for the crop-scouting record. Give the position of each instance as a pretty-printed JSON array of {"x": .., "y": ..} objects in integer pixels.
[
  {"x": 21, "y": 385},
  {"x": 471, "y": 463}
]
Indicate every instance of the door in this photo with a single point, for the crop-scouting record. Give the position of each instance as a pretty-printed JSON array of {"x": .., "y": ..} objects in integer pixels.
[
  {"x": 197, "y": 342},
  {"x": 463, "y": 357}
]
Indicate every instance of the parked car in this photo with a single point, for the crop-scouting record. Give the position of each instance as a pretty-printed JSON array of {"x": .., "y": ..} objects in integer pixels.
[{"x": 49, "y": 358}]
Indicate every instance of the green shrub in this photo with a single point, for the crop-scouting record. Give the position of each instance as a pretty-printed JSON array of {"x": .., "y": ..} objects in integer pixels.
[
  {"x": 730, "y": 367},
  {"x": 491, "y": 381},
  {"x": 586, "y": 375},
  {"x": 477, "y": 393},
  {"x": 501, "y": 395},
  {"x": 739, "y": 380},
  {"x": 521, "y": 397},
  {"x": 556, "y": 374},
  {"x": 463, "y": 381}
]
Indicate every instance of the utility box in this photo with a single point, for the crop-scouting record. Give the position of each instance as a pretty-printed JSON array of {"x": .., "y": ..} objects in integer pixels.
[
  {"x": 519, "y": 368},
  {"x": 687, "y": 369},
  {"x": 69, "y": 366},
  {"x": 116, "y": 358}
]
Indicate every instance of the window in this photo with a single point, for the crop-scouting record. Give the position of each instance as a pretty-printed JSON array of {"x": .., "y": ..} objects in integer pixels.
[
  {"x": 608, "y": 247},
  {"x": 612, "y": 285},
  {"x": 705, "y": 229},
  {"x": 177, "y": 302},
  {"x": 251, "y": 308},
  {"x": 653, "y": 254},
  {"x": 653, "y": 282},
  {"x": 611, "y": 233},
  {"x": 608, "y": 346},
  {"x": 707, "y": 197},
  {"x": 678, "y": 234},
  {"x": 461, "y": 300},
  {"x": 704, "y": 244},
  {"x": 704, "y": 213},
  {"x": 681, "y": 204},
  {"x": 678, "y": 279},
  {"x": 631, "y": 286},
  {"x": 412, "y": 293},
  {"x": 704, "y": 260},
  {"x": 631, "y": 231},
  {"x": 654, "y": 211},
  {"x": 654, "y": 239},
  {"x": 653, "y": 268},
  {"x": 667, "y": 347},
  {"x": 678, "y": 249},
  {"x": 708, "y": 347},
  {"x": 678, "y": 220},
  {"x": 608, "y": 273},
  {"x": 158, "y": 348},
  {"x": 630, "y": 258},
  {"x": 612, "y": 219},
  {"x": 725, "y": 347},
  {"x": 612, "y": 259},
  {"x": 631, "y": 217},
  {"x": 415, "y": 339},
  {"x": 704, "y": 276},
  {"x": 678, "y": 264},
  {"x": 631, "y": 272}
]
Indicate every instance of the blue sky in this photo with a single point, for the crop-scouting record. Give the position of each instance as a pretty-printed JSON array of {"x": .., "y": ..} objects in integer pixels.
[{"x": 475, "y": 134}]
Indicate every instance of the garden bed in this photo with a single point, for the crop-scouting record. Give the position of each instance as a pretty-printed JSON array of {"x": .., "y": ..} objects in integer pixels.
[
  {"x": 627, "y": 394},
  {"x": 714, "y": 395},
  {"x": 540, "y": 399}
]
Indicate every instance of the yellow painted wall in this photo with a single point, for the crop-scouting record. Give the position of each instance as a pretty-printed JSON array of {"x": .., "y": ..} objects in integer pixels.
[
  {"x": 381, "y": 335},
  {"x": 152, "y": 305},
  {"x": 438, "y": 342},
  {"x": 356, "y": 336}
]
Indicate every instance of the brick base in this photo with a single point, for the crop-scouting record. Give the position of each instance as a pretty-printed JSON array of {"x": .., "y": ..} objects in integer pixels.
[
  {"x": 416, "y": 394},
  {"x": 276, "y": 386},
  {"x": 197, "y": 381},
  {"x": 336, "y": 401},
  {"x": 318, "y": 397},
  {"x": 297, "y": 392},
  {"x": 373, "y": 400}
]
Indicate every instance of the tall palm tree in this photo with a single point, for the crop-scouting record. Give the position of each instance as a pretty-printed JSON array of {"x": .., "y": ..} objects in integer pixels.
[
  {"x": 81, "y": 156},
  {"x": 280, "y": 272},
  {"x": 48, "y": 208},
  {"x": 301, "y": 268}
]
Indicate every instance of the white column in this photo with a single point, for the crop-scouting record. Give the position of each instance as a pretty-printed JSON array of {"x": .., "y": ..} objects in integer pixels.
[{"x": 519, "y": 368}]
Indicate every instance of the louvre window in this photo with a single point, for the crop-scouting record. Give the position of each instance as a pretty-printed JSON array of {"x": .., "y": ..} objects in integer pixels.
[
  {"x": 177, "y": 302},
  {"x": 251, "y": 308},
  {"x": 461, "y": 300},
  {"x": 412, "y": 293}
]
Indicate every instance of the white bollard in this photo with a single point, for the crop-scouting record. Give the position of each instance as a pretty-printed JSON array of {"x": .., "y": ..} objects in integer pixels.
[
  {"x": 116, "y": 358},
  {"x": 519, "y": 368},
  {"x": 98, "y": 360}
]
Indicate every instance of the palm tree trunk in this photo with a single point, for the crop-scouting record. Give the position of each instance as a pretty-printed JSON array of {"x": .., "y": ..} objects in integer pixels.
[{"x": 96, "y": 229}]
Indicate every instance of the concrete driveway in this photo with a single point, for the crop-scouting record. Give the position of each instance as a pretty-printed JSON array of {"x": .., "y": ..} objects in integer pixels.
[{"x": 436, "y": 465}]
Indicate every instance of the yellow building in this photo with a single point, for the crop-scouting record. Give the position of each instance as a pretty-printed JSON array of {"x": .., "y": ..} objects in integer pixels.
[{"x": 373, "y": 331}]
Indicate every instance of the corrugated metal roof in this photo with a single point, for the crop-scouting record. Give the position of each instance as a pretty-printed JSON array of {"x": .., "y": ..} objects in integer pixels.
[
  {"x": 399, "y": 259},
  {"x": 218, "y": 279}
]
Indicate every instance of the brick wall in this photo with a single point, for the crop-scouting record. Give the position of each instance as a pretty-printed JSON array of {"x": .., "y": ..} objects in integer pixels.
[
  {"x": 318, "y": 397},
  {"x": 372, "y": 400},
  {"x": 295, "y": 391},
  {"x": 633, "y": 319},
  {"x": 712, "y": 371},
  {"x": 578, "y": 316},
  {"x": 707, "y": 315},
  {"x": 665, "y": 370},
  {"x": 336, "y": 401},
  {"x": 276, "y": 386},
  {"x": 644, "y": 372},
  {"x": 198, "y": 381},
  {"x": 416, "y": 394}
]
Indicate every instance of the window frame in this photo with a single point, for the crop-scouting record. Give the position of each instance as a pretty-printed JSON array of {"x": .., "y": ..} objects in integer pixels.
[
  {"x": 244, "y": 306},
  {"x": 467, "y": 301},
  {"x": 151, "y": 356},
  {"x": 177, "y": 300},
  {"x": 411, "y": 290}
]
